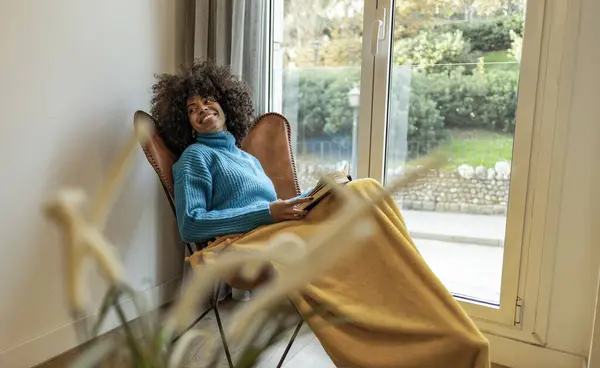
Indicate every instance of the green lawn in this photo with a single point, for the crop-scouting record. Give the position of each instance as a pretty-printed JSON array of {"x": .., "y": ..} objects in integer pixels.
[
  {"x": 499, "y": 60},
  {"x": 480, "y": 148},
  {"x": 476, "y": 148},
  {"x": 497, "y": 57},
  {"x": 472, "y": 147}
]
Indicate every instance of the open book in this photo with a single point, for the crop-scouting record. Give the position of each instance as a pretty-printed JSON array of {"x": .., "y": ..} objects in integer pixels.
[{"x": 322, "y": 189}]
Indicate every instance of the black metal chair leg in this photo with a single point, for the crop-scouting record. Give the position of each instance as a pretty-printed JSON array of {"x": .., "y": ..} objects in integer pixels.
[
  {"x": 193, "y": 323},
  {"x": 289, "y": 345},
  {"x": 223, "y": 338}
]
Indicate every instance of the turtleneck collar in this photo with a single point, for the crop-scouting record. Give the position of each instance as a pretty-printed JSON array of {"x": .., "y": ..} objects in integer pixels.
[{"x": 222, "y": 139}]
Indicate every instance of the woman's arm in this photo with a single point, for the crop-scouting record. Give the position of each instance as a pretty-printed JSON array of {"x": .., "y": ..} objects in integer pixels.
[{"x": 196, "y": 223}]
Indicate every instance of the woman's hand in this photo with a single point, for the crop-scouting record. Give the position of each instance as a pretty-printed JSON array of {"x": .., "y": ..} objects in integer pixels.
[{"x": 282, "y": 210}]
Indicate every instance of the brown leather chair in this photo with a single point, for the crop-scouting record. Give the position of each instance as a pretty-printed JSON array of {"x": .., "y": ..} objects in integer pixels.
[{"x": 269, "y": 141}]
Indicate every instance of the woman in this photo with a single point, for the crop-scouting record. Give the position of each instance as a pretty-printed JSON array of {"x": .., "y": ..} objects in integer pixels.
[{"x": 400, "y": 313}]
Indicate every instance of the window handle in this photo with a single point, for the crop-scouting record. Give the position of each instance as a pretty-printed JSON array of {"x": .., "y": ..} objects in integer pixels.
[
  {"x": 375, "y": 36},
  {"x": 378, "y": 33}
]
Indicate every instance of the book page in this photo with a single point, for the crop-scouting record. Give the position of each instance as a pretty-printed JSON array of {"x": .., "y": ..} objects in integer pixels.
[{"x": 322, "y": 188}]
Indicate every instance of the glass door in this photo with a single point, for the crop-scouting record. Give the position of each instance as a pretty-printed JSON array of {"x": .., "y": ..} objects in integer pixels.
[
  {"x": 318, "y": 72},
  {"x": 449, "y": 75},
  {"x": 379, "y": 84}
]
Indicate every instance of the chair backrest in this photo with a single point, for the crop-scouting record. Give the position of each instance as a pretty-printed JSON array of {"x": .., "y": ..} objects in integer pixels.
[
  {"x": 269, "y": 141},
  {"x": 159, "y": 156}
]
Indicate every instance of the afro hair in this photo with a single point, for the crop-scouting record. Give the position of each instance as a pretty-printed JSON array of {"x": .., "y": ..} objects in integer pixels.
[{"x": 172, "y": 91}]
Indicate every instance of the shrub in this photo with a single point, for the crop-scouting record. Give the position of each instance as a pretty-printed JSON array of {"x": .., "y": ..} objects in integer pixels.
[
  {"x": 498, "y": 109},
  {"x": 427, "y": 49},
  {"x": 425, "y": 124},
  {"x": 516, "y": 46},
  {"x": 318, "y": 98},
  {"x": 413, "y": 114},
  {"x": 487, "y": 35},
  {"x": 485, "y": 100},
  {"x": 422, "y": 105}
]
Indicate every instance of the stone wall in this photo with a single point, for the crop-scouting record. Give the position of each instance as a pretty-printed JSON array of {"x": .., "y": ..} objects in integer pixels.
[
  {"x": 450, "y": 192},
  {"x": 477, "y": 190}
]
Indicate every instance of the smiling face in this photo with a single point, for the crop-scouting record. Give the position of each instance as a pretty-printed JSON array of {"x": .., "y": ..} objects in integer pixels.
[{"x": 205, "y": 115}]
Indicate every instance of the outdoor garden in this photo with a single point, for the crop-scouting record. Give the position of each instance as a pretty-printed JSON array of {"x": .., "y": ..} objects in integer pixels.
[{"x": 454, "y": 83}]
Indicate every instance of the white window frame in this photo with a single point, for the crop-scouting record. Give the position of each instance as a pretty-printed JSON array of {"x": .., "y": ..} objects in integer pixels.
[
  {"x": 551, "y": 27},
  {"x": 552, "y": 106},
  {"x": 507, "y": 312}
]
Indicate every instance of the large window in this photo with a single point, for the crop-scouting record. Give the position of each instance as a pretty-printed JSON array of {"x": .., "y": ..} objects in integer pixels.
[
  {"x": 317, "y": 81},
  {"x": 380, "y": 84}
]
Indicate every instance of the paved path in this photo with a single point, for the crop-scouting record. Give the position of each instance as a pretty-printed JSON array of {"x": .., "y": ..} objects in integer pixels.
[
  {"x": 469, "y": 270},
  {"x": 456, "y": 227},
  {"x": 463, "y": 250}
]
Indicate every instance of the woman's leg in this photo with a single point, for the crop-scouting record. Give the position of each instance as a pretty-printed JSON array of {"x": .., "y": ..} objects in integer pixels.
[{"x": 399, "y": 314}]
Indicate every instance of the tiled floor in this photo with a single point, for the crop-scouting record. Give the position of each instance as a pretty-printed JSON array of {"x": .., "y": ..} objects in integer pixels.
[
  {"x": 306, "y": 352},
  {"x": 466, "y": 269}
]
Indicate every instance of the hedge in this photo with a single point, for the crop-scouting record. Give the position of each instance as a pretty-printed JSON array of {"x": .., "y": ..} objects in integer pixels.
[
  {"x": 318, "y": 99},
  {"x": 485, "y": 100},
  {"x": 434, "y": 51},
  {"x": 487, "y": 35}
]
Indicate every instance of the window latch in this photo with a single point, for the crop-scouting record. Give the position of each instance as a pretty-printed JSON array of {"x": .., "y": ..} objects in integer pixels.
[{"x": 378, "y": 33}]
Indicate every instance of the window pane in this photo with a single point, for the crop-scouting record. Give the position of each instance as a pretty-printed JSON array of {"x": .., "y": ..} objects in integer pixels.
[
  {"x": 316, "y": 81},
  {"x": 454, "y": 79}
]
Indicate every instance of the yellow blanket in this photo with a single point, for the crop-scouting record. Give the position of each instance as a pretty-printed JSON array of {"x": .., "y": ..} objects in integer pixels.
[{"x": 400, "y": 313}]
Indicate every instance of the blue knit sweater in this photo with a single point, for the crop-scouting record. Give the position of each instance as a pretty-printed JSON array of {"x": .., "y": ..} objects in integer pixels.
[{"x": 220, "y": 189}]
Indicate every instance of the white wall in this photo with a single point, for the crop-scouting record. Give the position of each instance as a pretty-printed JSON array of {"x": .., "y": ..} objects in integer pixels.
[
  {"x": 578, "y": 249},
  {"x": 72, "y": 73}
]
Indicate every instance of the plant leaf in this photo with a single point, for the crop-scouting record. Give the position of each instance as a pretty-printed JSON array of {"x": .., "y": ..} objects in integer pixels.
[
  {"x": 94, "y": 355},
  {"x": 109, "y": 300}
]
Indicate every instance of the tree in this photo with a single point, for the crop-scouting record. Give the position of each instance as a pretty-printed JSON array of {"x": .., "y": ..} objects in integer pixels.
[
  {"x": 412, "y": 15},
  {"x": 323, "y": 32},
  {"x": 516, "y": 46},
  {"x": 433, "y": 52},
  {"x": 304, "y": 24},
  {"x": 500, "y": 7},
  {"x": 330, "y": 32},
  {"x": 484, "y": 8}
]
